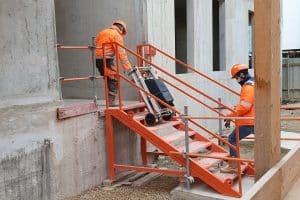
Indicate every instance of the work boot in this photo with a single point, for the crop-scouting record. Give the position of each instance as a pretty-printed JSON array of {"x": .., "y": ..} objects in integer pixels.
[{"x": 232, "y": 167}]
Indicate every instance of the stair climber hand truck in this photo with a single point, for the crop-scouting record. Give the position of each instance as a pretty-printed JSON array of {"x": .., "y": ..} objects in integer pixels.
[{"x": 146, "y": 78}]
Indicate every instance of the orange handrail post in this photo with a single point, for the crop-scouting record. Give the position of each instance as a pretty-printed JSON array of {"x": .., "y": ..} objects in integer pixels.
[{"x": 119, "y": 79}]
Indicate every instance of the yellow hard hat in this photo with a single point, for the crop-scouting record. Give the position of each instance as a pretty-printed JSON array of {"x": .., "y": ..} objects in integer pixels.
[{"x": 124, "y": 32}]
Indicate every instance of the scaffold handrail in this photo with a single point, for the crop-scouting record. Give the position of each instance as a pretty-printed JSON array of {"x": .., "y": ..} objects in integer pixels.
[{"x": 190, "y": 68}]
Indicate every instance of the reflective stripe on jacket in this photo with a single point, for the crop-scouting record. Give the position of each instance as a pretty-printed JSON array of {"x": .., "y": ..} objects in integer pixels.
[
  {"x": 245, "y": 107},
  {"x": 109, "y": 36}
]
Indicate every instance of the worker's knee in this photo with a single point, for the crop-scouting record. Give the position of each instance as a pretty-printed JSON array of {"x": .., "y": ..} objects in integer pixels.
[{"x": 232, "y": 138}]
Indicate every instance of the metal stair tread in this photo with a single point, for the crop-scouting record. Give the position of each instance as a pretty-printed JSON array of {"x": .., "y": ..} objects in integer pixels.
[
  {"x": 177, "y": 135},
  {"x": 209, "y": 162},
  {"x": 140, "y": 115},
  {"x": 195, "y": 146},
  {"x": 229, "y": 177},
  {"x": 133, "y": 106},
  {"x": 165, "y": 124}
]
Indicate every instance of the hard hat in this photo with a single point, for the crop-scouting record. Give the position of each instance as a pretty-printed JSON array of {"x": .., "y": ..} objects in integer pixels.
[
  {"x": 237, "y": 68},
  {"x": 122, "y": 24}
]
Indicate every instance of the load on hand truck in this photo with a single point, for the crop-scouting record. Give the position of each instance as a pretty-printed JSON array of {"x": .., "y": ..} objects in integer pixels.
[{"x": 146, "y": 78}]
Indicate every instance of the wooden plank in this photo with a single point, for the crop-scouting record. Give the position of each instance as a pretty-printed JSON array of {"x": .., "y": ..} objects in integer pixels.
[
  {"x": 267, "y": 84},
  {"x": 119, "y": 177},
  {"x": 76, "y": 110},
  {"x": 277, "y": 182},
  {"x": 146, "y": 179}
]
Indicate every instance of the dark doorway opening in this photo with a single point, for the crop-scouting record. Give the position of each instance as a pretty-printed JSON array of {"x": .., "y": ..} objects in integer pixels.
[{"x": 180, "y": 35}]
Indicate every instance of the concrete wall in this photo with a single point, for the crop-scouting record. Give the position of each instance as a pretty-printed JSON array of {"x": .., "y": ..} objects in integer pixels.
[
  {"x": 161, "y": 30},
  {"x": 199, "y": 19},
  {"x": 42, "y": 158},
  {"x": 27, "y": 52},
  {"x": 77, "y": 22},
  {"x": 73, "y": 160}
]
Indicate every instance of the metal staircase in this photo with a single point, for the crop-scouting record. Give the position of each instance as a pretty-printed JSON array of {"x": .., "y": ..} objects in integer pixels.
[{"x": 169, "y": 137}]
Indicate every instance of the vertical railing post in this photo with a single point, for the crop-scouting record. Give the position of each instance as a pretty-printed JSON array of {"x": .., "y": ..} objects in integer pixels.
[
  {"x": 118, "y": 76},
  {"x": 220, "y": 120},
  {"x": 288, "y": 76},
  {"x": 187, "y": 150},
  {"x": 93, "y": 48},
  {"x": 237, "y": 136},
  {"x": 105, "y": 76}
]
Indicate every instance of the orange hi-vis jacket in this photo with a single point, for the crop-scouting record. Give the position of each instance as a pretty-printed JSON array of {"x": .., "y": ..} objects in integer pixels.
[
  {"x": 108, "y": 37},
  {"x": 245, "y": 108}
]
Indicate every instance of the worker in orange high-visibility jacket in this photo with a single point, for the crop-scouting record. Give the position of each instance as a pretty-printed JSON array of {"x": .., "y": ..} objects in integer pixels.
[
  {"x": 245, "y": 108},
  {"x": 106, "y": 40}
]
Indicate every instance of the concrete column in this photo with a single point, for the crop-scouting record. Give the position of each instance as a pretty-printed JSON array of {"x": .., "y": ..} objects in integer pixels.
[
  {"x": 236, "y": 32},
  {"x": 199, "y": 23},
  {"x": 161, "y": 30},
  {"x": 28, "y": 70}
]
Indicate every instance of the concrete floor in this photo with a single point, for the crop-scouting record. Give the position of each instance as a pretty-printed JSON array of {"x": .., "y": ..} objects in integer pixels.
[{"x": 204, "y": 192}]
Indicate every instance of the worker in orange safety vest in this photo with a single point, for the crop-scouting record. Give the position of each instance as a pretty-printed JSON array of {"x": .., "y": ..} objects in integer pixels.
[
  {"x": 106, "y": 40},
  {"x": 245, "y": 108}
]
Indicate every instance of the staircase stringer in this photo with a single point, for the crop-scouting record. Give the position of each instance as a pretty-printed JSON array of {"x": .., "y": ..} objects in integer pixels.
[
  {"x": 200, "y": 137},
  {"x": 196, "y": 170}
]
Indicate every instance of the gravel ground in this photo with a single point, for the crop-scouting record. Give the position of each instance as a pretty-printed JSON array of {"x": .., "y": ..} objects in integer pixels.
[{"x": 161, "y": 187}]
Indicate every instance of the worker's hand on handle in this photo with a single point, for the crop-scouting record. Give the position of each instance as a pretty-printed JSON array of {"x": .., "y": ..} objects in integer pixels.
[
  {"x": 227, "y": 123},
  {"x": 130, "y": 71}
]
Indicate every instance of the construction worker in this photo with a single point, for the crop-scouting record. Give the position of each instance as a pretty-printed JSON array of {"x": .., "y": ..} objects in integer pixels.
[
  {"x": 245, "y": 108},
  {"x": 106, "y": 40}
]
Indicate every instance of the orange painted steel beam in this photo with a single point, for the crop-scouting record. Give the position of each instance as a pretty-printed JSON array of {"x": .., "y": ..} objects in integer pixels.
[
  {"x": 196, "y": 171},
  {"x": 284, "y": 118},
  {"x": 195, "y": 71},
  {"x": 110, "y": 147},
  {"x": 65, "y": 80},
  {"x": 149, "y": 94},
  {"x": 283, "y": 138},
  {"x": 209, "y": 117},
  {"x": 167, "y": 105},
  {"x": 172, "y": 76},
  {"x": 148, "y": 169},
  {"x": 76, "y": 110},
  {"x": 290, "y": 107},
  {"x": 216, "y": 157},
  {"x": 192, "y": 97},
  {"x": 213, "y": 134}
]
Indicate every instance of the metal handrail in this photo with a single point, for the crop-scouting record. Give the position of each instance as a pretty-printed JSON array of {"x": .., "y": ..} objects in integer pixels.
[
  {"x": 160, "y": 101},
  {"x": 189, "y": 68}
]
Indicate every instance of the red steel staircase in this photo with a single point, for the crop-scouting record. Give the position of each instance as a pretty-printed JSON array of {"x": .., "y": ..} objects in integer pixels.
[{"x": 169, "y": 137}]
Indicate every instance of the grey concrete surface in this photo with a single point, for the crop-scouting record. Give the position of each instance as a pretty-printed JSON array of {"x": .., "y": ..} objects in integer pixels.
[
  {"x": 200, "y": 55},
  {"x": 200, "y": 191},
  {"x": 72, "y": 162},
  {"x": 28, "y": 55},
  {"x": 77, "y": 22}
]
